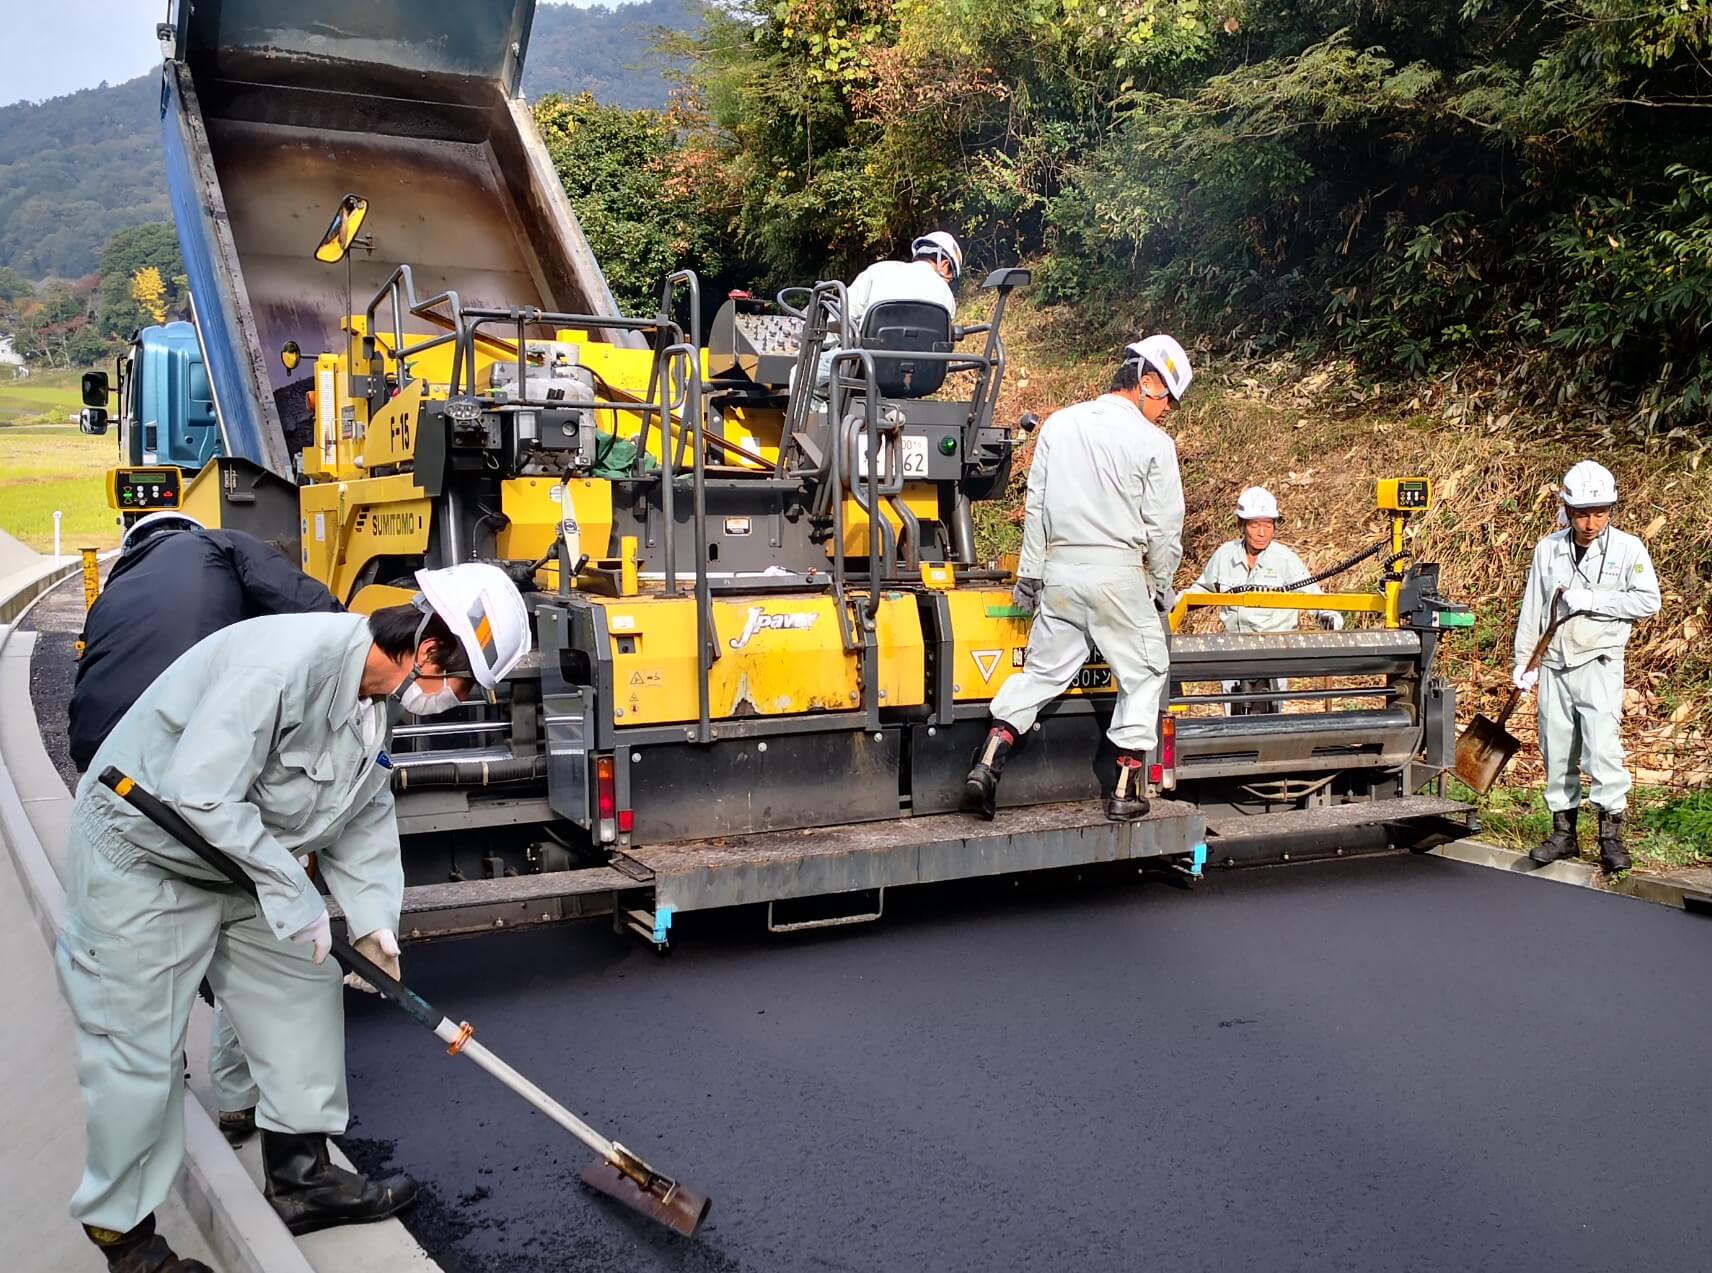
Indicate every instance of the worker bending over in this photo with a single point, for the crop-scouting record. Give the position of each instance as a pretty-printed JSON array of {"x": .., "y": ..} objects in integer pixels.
[
  {"x": 268, "y": 737},
  {"x": 173, "y": 584},
  {"x": 936, "y": 262},
  {"x": 1102, "y": 540},
  {"x": 1256, "y": 561},
  {"x": 1608, "y": 583}
]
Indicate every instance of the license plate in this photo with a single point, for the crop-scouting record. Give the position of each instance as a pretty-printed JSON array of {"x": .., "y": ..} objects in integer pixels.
[{"x": 913, "y": 449}]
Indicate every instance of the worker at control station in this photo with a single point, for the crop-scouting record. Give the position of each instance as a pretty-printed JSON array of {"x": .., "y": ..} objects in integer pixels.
[
  {"x": 1101, "y": 543},
  {"x": 935, "y": 265},
  {"x": 173, "y": 584},
  {"x": 269, "y": 738},
  {"x": 1608, "y": 583},
  {"x": 1256, "y": 561}
]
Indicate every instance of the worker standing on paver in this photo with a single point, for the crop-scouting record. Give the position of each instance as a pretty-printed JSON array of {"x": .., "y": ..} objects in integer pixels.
[
  {"x": 1101, "y": 543},
  {"x": 268, "y": 737},
  {"x": 1256, "y": 561},
  {"x": 174, "y": 583},
  {"x": 1608, "y": 583}
]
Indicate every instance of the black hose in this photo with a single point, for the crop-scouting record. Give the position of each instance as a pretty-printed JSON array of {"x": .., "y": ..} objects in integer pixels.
[
  {"x": 468, "y": 773},
  {"x": 1348, "y": 564}
]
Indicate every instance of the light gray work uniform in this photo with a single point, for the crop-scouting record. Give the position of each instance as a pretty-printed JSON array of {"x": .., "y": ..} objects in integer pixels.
[
  {"x": 255, "y": 736},
  {"x": 1581, "y": 675},
  {"x": 1104, "y": 534},
  {"x": 1227, "y": 570},
  {"x": 881, "y": 282}
]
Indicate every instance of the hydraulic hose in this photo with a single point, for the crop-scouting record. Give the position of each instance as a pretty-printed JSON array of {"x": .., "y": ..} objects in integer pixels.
[{"x": 468, "y": 773}]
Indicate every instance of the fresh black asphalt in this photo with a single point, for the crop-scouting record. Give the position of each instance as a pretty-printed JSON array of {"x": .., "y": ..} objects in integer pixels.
[{"x": 1388, "y": 1064}]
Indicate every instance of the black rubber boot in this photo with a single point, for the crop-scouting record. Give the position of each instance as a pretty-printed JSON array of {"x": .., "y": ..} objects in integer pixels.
[
  {"x": 1561, "y": 842},
  {"x": 311, "y": 1194},
  {"x": 1613, "y": 857},
  {"x": 238, "y": 1125},
  {"x": 142, "y": 1250},
  {"x": 1129, "y": 792},
  {"x": 981, "y": 787}
]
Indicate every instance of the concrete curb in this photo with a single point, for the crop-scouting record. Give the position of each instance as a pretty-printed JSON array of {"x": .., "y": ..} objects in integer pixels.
[
  {"x": 24, "y": 595},
  {"x": 237, "y": 1222},
  {"x": 1658, "y": 889}
]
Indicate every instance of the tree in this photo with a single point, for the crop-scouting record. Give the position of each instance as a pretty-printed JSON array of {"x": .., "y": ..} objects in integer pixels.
[
  {"x": 148, "y": 290},
  {"x": 634, "y": 192},
  {"x": 133, "y": 255}
]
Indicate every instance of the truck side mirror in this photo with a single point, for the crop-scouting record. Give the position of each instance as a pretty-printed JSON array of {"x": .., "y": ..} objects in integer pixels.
[
  {"x": 93, "y": 421},
  {"x": 95, "y": 389},
  {"x": 342, "y": 230}
]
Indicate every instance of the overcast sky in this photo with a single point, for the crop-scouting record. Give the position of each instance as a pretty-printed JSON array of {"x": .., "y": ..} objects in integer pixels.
[{"x": 52, "y": 47}]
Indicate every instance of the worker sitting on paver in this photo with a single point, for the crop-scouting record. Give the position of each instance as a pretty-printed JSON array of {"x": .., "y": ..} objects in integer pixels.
[
  {"x": 173, "y": 584},
  {"x": 1608, "y": 582},
  {"x": 1102, "y": 540},
  {"x": 268, "y": 737},
  {"x": 1256, "y": 561},
  {"x": 936, "y": 262}
]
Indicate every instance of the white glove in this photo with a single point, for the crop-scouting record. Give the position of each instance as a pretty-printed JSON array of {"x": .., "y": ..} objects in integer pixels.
[
  {"x": 1165, "y": 600},
  {"x": 318, "y": 935},
  {"x": 1575, "y": 599},
  {"x": 1525, "y": 678},
  {"x": 381, "y": 946},
  {"x": 1331, "y": 620}
]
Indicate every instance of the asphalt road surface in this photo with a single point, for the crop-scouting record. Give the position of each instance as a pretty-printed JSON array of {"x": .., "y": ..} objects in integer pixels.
[{"x": 1391, "y": 1064}]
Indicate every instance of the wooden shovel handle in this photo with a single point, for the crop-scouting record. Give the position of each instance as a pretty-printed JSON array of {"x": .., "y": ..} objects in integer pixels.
[{"x": 1539, "y": 653}]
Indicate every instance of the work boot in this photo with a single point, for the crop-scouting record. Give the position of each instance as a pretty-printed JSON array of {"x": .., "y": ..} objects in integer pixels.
[
  {"x": 142, "y": 1250},
  {"x": 1561, "y": 842},
  {"x": 1613, "y": 857},
  {"x": 1129, "y": 793},
  {"x": 311, "y": 1194},
  {"x": 238, "y": 1125},
  {"x": 981, "y": 787}
]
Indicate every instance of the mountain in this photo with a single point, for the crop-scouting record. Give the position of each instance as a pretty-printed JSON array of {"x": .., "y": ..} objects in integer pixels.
[{"x": 75, "y": 169}]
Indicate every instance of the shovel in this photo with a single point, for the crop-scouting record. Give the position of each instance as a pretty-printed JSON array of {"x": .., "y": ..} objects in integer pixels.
[
  {"x": 1485, "y": 747},
  {"x": 619, "y": 1174}
]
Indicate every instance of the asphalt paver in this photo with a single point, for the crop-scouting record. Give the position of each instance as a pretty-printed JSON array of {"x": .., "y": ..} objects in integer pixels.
[{"x": 1387, "y": 1064}]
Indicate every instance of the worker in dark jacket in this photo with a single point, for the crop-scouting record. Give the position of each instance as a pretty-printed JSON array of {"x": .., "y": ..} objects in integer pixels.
[{"x": 174, "y": 583}]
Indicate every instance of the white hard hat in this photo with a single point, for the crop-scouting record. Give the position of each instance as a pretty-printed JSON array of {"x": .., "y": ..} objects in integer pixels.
[
  {"x": 940, "y": 244},
  {"x": 147, "y": 527},
  {"x": 1164, "y": 355},
  {"x": 1589, "y": 485},
  {"x": 1255, "y": 502},
  {"x": 484, "y": 610}
]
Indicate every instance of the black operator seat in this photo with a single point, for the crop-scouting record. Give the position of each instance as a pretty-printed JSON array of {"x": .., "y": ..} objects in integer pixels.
[{"x": 894, "y": 328}]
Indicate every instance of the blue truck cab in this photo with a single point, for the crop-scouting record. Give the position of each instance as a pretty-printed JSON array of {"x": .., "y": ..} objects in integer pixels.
[{"x": 166, "y": 415}]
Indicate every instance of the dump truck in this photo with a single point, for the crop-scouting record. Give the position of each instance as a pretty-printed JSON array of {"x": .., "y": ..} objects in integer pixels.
[{"x": 765, "y": 638}]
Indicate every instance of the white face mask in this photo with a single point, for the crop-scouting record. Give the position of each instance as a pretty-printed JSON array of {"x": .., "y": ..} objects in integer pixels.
[{"x": 418, "y": 702}]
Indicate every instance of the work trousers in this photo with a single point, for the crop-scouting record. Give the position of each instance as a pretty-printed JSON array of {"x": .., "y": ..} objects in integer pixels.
[
  {"x": 1084, "y": 605},
  {"x": 1581, "y": 709},
  {"x": 136, "y": 943}
]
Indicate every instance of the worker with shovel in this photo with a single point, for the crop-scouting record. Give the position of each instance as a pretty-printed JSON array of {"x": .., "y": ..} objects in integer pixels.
[
  {"x": 268, "y": 738},
  {"x": 1607, "y": 582},
  {"x": 1101, "y": 543}
]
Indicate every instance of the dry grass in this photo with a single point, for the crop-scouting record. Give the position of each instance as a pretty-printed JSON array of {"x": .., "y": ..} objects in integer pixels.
[{"x": 1320, "y": 442}]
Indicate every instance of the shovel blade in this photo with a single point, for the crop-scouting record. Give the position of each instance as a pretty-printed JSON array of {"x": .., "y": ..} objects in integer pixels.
[
  {"x": 681, "y": 1210},
  {"x": 1482, "y": 751}
]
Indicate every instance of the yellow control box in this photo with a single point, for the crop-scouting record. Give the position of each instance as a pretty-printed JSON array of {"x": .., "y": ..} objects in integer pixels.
[
  {"x": 1404, "y": 494},
  {"x": 144, "y": 490}
]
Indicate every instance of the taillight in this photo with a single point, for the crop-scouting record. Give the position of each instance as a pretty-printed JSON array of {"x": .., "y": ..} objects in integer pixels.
[
  {"x": 606, "y": 797},
  {"x": 1167, "y": 765}
]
